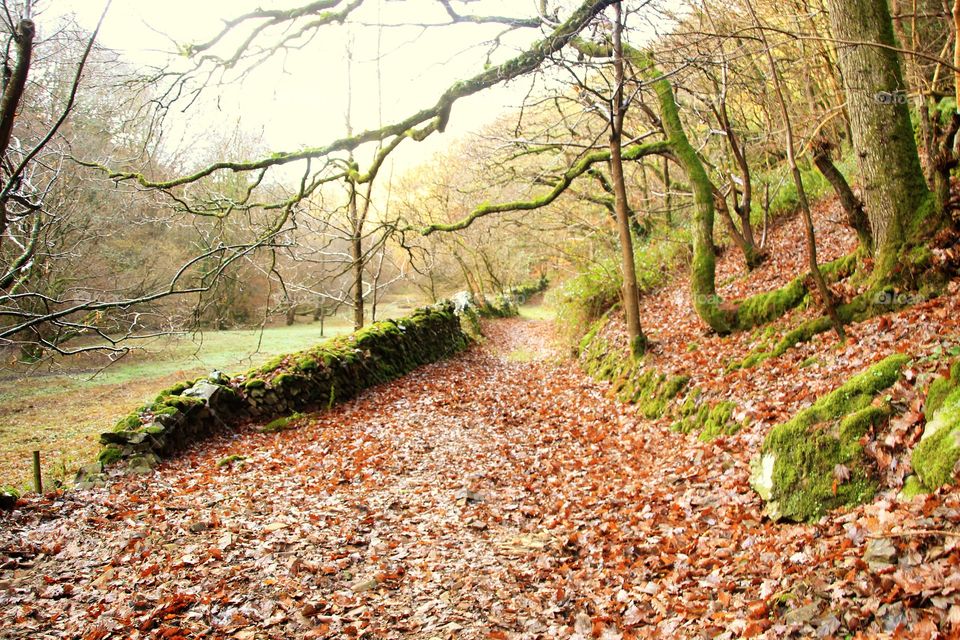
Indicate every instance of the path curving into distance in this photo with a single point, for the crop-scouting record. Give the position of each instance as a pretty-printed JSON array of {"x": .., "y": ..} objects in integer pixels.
[{"x": 500, "y": 494}]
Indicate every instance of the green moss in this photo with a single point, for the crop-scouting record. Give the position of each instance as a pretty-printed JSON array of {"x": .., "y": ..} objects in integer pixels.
[
  {"x": 937, "y": 392},
  {"x": 920, "y": 257},
  {"x": 719, "y": 421},
  {"x": 286, "y": 379},
  {"x": 802, "y": 333},
  {"x": 691, "y": 403},
  {"x": 766, "y": 307},
  {"x": 812, "y": 360},
  {"x": 840, "y": 268},
  {"x": 223, "y": 462},
  {"x": 854, "y": 426},
  {"x": 282, "y": 424},
  {"x": 110, "y": 454},
  {"x": 176, "y": 389},
  {"x": 664, "y": 391},
  {"x": 183, "y": 403},
  {"x": 638, "y": 345},
  {"x": 804, "y": 482},
  {"x": 307, "y": 363},
  {"x": 273, "y": 364},
  {"x": 674, "y": 386},
  {"x": 856, "y": 393},
  {"x": 935, "y": 458},
  {"x": 130, "y": 422},
  {"x": 254, "y": 383},
  {"x": 797, "y": 469},
  {"x": 591, "y": 334},
  {"x": 912, "y": 487}
]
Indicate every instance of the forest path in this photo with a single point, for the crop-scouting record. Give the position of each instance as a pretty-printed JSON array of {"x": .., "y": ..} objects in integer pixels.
[{"x": 499, "y": 494}]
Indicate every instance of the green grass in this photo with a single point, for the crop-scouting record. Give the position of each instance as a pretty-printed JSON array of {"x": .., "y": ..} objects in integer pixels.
[
  {"x": 228, "y": 351},
  {"x": 538, "y": 312},
  {"x": 62, "y": 409}
]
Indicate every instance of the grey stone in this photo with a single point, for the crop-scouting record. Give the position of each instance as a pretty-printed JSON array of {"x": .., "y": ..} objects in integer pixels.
[
  {"x": 142, "y": 464},
  {"x": 880, "y": 553},
  {"x": 204, "y": 390},
  {"x": 802, "y": 615},
  {"x": 469, "y": 496}
]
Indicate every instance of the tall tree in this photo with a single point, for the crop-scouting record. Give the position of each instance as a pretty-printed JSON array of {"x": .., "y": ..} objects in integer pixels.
[
  {"x": 899, "y": 204},
  {"x": 825, "y": 294},
  {"x": 618, "y": 107}
]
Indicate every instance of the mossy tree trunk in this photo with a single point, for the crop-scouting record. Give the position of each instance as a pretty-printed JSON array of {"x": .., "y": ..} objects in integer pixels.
[
  {"x": 898, "y": 202},
  {"x": 704, "y": 268},
  {"x": 631, "y": 293},
  {"x": 925, "y": 27}
]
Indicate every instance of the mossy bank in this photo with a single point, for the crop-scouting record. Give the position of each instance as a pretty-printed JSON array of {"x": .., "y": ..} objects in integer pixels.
[
  {"x": 657, "y": 395},
  {"x": 936, "y": 457}
]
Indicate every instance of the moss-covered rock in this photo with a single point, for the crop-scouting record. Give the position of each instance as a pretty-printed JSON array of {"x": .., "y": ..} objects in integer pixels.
[
  {"x": 182, "y": 403},
  {"x": 129, "y": 422},
  {"x": 815, "y": 462},
  {"x": 936, "y": 394},
  {"x": 307, "y": 363},
  {"x": 912, "y": 487},
  {"x": 935, "y": 458},
  {"x": 110, "y": 454}
]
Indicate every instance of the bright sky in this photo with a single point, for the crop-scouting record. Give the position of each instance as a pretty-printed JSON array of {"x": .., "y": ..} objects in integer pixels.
[{"x": 300, "y": 99}]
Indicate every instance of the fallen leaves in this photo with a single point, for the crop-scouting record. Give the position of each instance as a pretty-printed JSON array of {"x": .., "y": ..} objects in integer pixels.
[{"x": 478, "y": 498}]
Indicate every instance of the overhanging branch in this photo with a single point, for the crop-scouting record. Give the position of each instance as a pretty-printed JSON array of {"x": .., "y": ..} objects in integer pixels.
[
  {"x": 429, "y": 120},
  {"x": 634, "y": 152}
]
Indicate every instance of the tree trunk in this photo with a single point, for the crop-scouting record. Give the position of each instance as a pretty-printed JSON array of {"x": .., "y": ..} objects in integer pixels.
[
  {"x": 824, "y": 290},
  {"x": 703, "y": 278},
  {"x": 631, "y": 294},
  {"x": 852, "y": 207},
  {"x": 15, "y": 82},
  {"x": 899, "y": 204},
  {"x": 356, "y": 254}
]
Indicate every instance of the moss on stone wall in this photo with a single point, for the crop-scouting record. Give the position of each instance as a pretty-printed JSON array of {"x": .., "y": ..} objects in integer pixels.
[
  {"x": 316, "y": 378},
  {"x": 815, "y": 462}
]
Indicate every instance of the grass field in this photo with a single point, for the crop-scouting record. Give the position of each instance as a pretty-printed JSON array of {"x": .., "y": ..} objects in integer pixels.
[{"x": 62, "y": 408}]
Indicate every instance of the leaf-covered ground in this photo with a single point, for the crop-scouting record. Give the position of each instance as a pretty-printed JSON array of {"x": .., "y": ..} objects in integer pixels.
[
  {"x": 489, "y": 496},
  {"x": 775, "y": 389}
]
